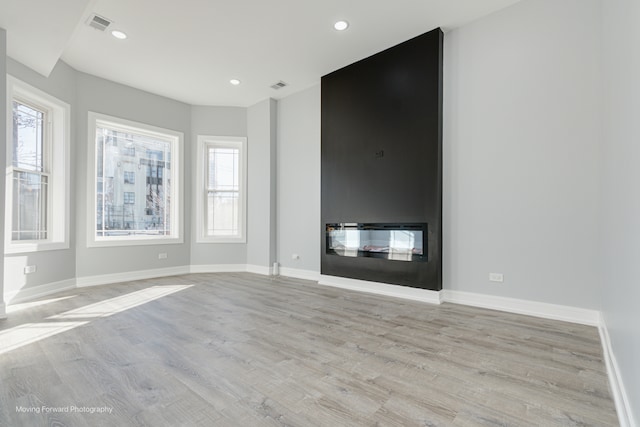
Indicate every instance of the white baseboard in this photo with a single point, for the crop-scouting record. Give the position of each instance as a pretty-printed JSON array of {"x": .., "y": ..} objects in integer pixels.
[
  {"x": 3, "y": 311},
  {"x": 218, "y": 268},
  {"x": 259, "y": 269},
  {"x": 105, "y": 279},
  {"x": 620, "y": 397},
  {"x": 532, "y": 308},
  {"x": 231, "y": 268},
  {"x": 297, "y": 273},
  {"x": 34, "y": 292},
  {"x": 415, "y": 294}
]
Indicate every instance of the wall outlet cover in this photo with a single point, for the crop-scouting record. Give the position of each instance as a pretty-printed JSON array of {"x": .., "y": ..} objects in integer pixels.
[{"x": 496, "y": 277}]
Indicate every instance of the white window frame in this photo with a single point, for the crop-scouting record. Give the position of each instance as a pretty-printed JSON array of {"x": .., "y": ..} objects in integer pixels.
[
  {"x": 57, "y": 148},
  {"x": 177, "y": 193},
  {"x": 204, "y": 142}
]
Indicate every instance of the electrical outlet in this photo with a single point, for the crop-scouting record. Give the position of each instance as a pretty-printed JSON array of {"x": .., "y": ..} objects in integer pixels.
[
  {"x": 295, "y": 256},
  {"x": 496, "y": 277},
  {"x": 30, "y": 269},
  {"x": 162, "y": 255}
]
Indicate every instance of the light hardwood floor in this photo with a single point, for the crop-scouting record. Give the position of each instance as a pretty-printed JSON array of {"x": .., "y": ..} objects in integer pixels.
[{"x": 248, "y": 350}]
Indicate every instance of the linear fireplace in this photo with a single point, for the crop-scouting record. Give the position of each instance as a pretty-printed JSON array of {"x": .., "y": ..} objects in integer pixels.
[
  {"x": 396, "y": 242},
  {"x": 381, "y": 164}
]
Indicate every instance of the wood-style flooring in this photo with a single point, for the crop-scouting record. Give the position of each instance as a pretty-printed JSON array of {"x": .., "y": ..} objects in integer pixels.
[{"x": 238, "y": 349}]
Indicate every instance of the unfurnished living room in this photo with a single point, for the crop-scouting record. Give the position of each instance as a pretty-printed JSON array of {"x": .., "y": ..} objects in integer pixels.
[{"x": 306, "y": 213}]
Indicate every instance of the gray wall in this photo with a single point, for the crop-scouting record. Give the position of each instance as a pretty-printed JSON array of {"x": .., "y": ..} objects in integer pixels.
[
  {"x": 58, "y": 265},
  {"x": 216, "y": 121},
  {"x": 106, "y": 97},
  {"x": 3, "y": 152},
  {"x": 298, "y": 177},
  {"x": 620, "y": 200},
  {"x": 261, "y": 189},
  {"x": 521, "y": 157},
  {"x": 521, "y": 148},
  {"x": 521, "y": 153}
]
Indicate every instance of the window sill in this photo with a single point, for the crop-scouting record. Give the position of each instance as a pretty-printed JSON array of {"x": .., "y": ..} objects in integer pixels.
[
  {"x": 206, "y": 240},
  {"x": 133, "y": 242},
  {"x": 21, "y": 248}
]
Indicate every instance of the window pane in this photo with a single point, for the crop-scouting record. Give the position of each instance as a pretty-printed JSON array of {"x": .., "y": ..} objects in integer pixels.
[
  {"x": 29, "y": 206},
  {"x": 123, "y": 209},
  {"x": 223, "y": 193},
  {"x": 129, "y": 177},
  {"x": 223, "y": 169},
  {"x": 222, "y": 212},
  {"x": 28, "y": 132}
]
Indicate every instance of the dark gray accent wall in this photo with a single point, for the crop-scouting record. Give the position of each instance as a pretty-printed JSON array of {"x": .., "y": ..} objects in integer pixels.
[{"x": 382, "y": 154}]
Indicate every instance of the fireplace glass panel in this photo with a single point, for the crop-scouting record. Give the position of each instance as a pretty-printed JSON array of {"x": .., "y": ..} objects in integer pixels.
[{"x": 398, "y": 242}]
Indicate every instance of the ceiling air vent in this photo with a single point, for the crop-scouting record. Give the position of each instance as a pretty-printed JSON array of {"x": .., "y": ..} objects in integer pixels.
[
  {"x": 98, "y": 22},
  {"x": 278, "y": 85}
]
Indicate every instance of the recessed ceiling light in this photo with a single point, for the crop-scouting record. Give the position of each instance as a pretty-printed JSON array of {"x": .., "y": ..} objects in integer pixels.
[
  {"x": 341, "y": 25},
  {"x": 118, "y": 34},
  {"x": 234, "y": 82}
]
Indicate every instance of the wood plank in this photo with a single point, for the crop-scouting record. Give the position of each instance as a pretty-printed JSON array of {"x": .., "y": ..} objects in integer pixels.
[{"x": 243, "y": 349}]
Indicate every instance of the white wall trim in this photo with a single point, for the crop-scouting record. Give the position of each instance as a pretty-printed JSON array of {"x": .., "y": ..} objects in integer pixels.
[
  {"x": 217, "y": 268},
  {"x": 519, "y": 306},
  {"x": 105, "y": 279},
  {"x": 620, "y": 397},
  {"x": 297, "y": 273},
  {"x": 3, "y": 311},
  {"x": 231, "y": 268},
  {"x": 259, "y": 269},
  {"x": 34, "y": 292},
  {"x": 512, "y": 305},
  {"x": 415, "y": 294}
]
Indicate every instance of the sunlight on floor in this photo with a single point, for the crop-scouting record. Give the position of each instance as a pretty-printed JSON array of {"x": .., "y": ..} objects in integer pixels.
[
  {"x": 29, "y": 333},
  {"x": 32, "y": 332},
  {"x": 121, "y": 303},
  {"x": 14, "y": 308}
]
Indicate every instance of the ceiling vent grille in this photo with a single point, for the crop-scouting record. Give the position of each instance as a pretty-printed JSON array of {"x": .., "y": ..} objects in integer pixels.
[
  {"x": 98, "y": 22},
  {"x": 278, "y": 85}
]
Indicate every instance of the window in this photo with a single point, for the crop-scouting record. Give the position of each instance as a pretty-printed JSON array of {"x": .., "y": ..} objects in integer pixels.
[
  {"x": 129, "y": 178},
  {"x": 30, "y": 173},
  {"x": 221, "y": 189},
  {"x": 123, "y": 152},
  {"x": 37, "y": 171}
]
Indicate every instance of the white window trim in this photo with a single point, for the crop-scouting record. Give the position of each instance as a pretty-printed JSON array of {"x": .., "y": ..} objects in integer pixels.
[
  {"x": 205, "y": 141},
  {"x": 177, "y": 190},
  {"x": 58, "y": 200}
]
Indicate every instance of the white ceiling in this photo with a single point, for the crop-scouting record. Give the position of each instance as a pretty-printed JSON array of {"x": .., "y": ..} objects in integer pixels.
[{"x": 189, "y": 49}]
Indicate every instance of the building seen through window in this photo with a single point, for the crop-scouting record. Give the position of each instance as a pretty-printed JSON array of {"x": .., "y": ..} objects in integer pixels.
[{"x": 133, "y": 192}]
